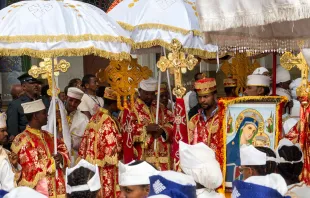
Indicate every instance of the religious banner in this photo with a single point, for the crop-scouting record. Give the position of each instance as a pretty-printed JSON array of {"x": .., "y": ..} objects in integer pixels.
[{"x": 252, "y": 120}]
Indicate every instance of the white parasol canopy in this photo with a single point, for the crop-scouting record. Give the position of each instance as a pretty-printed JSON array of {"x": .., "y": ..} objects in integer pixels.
[
  {"x": 60, "y": 28},
  {"x": 158, "y": 22},
  {"x": 260, "y": 26}
]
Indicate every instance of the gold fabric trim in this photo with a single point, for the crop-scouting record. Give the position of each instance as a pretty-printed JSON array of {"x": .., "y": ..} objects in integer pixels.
[
  {"x": 15, "y": 149},
  {"x": 162, "y": 160},
  {"x": 64, "y": 52},
  {"x": 33, "y": 183},
  {"x": 198, "y": 52},
  {"x": 203, "y": 92},
  {"x": 140, "y": 138},
  {"x": 68, "y": 38},
  {"x": 130, "y": 28},
  {"x": 107, "y": 160}
]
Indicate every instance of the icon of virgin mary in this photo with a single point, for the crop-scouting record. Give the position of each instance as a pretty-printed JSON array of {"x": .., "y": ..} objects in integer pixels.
[{"x": 244, "y": 135}]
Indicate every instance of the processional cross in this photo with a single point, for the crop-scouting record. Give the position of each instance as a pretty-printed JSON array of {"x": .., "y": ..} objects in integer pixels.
[
  {"x": 288, "y": 61},
  {"x": 45, "y": 70},
  {"x": 178, "y": 63}
]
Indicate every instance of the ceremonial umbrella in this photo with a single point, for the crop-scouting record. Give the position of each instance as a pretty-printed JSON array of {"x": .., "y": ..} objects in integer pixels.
[
  {"x": 157, "y": 22},
  {"x": 255, "y": 26},
  {"x": 48, "y": 29}
]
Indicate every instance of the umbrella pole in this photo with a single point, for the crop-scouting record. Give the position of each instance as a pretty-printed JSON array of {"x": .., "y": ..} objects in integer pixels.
[
  {"x": 274, "y": 73},
  {"x": 54, "y": 107},
  {"x": 169, "y": 85},
  {"x": 157, "y": 105}
]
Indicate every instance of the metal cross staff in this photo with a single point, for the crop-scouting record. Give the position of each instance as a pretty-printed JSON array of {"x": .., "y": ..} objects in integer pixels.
[
  {"x": 178, "y": 63},
  {"x": 48, "y": 69}
]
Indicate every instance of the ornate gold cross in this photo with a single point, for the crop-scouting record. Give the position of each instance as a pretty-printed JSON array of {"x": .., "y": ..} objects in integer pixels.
[
  {"x": 288, "y": 61},
  {"x": 239, "y": 69},
  {"x": 45, "y": 70},
  {"x": 178, "y": 63}
]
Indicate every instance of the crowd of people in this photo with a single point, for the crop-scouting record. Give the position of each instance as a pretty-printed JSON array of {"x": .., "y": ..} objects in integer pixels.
[{"x": 102, "y": 151}]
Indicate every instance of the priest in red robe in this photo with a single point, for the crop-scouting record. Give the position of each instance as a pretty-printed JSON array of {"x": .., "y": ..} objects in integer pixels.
[
  {"x": 143, "y": 139},
  {"x": 35, "y": 150}
]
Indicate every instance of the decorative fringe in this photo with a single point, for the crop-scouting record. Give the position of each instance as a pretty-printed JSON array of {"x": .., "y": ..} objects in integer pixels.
[
  {"x": 68, "y": 38},
  {"x": 64, "y": 52},
  {"x": 249, "y": 19},
  {"x": 131, "y": 28},
  {"x": 198, "y": 52},
  {"x": 102, "y": 162}
]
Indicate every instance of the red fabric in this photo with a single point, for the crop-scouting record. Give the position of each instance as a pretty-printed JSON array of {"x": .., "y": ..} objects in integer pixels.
[
  {"x": 115, "y": 3},
  {"x": 179, "y": 130}
]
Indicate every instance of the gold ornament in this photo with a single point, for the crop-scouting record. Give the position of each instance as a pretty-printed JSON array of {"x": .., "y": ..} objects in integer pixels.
[
  {"x": 45, "y": 70},
  {"x": 124, "y": 77},
  {"x": 288, "y": 61},
  {"x": 177, "y": 62},
  {"x": 239, "y": 69}
]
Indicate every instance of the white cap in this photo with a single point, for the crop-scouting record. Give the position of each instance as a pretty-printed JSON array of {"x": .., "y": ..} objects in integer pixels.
[
  {"x": 295, "y": 110},
  {"x": 293, "y": 86},
  {"x": 135, "y": 175},
  {"x": 258, "y": 80},
  {"x": 283, "y": 92},
  {"x": 260, "y": 71},
  {"x": 250, "y": 156},
  {"x": 274, "y": 181},
  {"x": 289, "y": 124},
  {"x": 21, "y": 192},
  {"x": 34, "y": 106},
  {"x": 282, "y": 75},
  {"x": 2, "y": 120},
  {"x": 199, "y": 162},
  {"x": 287, "y": 142},
  {"x": 93, "y": 184},
  {"x": 149, "y": 84},
  {"x": 76, "y": 93}
]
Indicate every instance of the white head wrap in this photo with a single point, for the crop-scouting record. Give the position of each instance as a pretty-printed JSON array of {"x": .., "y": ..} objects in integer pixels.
[
  {"x": 199, "y": 162},
  {"x": 250, "y": 156},
  {"x": 260, "y": 71},
  {"x": 258, "y": 80},
  {"x": 76, "y": 93},
  {"x": 135, "y": 175},
  {"x": 282, "y": 75},
  {"x": 286, "y": 142},
  {"x": 283, "y": 92},
  {"x": 93, "y": 184},
  {"x": 289, "y": 124},
  {"x": 295, "y": 110},
  {"x": 293, "y": 86},
  {"x": 149, "y": 84},
  {"x": 2, "y": 120},
  {"x": 34, "y": 106},
  {"x": 274, "y": 181},
  {"x": 21, "y": 192}
]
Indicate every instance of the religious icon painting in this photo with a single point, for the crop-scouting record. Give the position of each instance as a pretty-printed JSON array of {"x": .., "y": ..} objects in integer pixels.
[{"x": 253, "y": 121}]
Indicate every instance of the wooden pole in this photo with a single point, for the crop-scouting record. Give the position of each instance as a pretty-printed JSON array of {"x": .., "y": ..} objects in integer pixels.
[{"x": 274, "y": 73}]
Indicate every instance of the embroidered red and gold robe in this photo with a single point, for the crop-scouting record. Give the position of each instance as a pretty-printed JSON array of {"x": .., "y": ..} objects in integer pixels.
[
  {"x": 137, "y": 144},
  {"x": 100, "y": 146},
  {"x": 209, "y": 132},
  {"x": 35, "y": 149}
]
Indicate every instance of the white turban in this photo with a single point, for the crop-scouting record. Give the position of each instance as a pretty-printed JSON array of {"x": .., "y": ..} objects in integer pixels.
[
  {"x": 76, "y": 93},
  {"x": 258, "y": 80},
  {"x": 250, "y": 156},
  {"x": 149, "y": 84},
  {"x": 136, "y": 174},
  {"x": 293, "y": 86},
  {"x": 2, "y": 120},
  {"x": 199, "y": 162},
  {"x": 283, "y": 92},
  {"x": 260, "y": 71},
  {"x": 20, "y": 192},
  {"x": 295, "y": 110},
  {"x": 282, "y": 75}
]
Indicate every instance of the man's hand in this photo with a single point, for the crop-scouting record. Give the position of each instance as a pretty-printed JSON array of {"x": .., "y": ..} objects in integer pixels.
[
  {"x": 58, "y": 160},
  {"x": 11, "y": 138},
  {"x": 13, "y": 159},
  {"x": 154, "y": 130}
]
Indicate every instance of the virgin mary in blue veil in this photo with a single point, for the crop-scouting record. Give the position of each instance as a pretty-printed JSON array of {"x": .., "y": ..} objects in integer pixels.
[{"x": 245, "y": 133}]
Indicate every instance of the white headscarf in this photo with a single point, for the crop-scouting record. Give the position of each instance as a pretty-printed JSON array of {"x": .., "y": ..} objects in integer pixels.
[
  {"x": 282, "y": 75},
  {"x": 199, "y": 162},
  {"x": 149, "y": 84}
]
